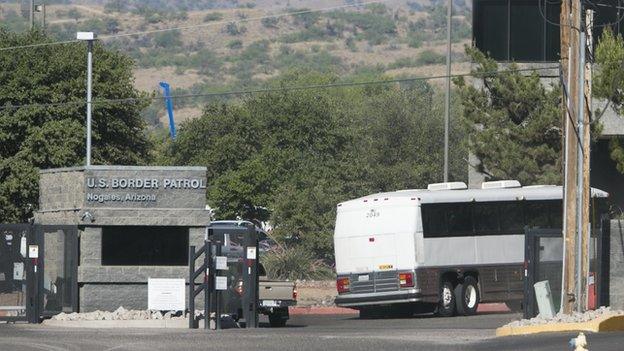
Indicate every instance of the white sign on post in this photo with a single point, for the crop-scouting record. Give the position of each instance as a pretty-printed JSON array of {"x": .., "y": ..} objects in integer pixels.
[
  {"x": 33, "y": 251},
  {"x": 221, "y": 262},
  {"x": 18, "y": 270},
  {"x": 251, "y": 253},
  {"x": 166, "y": 294},
  {"x": 220, "y": 283}
]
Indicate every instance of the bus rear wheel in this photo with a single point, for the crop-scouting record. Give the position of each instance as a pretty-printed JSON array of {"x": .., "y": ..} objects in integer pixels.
[
  {"x": 467, "y": 296},
  {"x": 446, "y": 304}
]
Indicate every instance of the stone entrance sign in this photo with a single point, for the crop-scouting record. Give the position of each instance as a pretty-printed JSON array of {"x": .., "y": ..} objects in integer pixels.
[
  {"x": 123, "y": 195},
  {"x": 127, "y": 188}
]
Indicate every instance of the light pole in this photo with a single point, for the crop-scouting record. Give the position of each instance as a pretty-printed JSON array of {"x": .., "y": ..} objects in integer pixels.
[
  {"x": 447, "y": 100},
  {"x": 89, "y": 37}
]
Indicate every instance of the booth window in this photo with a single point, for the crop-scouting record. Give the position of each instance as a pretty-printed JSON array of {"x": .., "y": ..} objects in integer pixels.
[{"x": 144, "y": 246}]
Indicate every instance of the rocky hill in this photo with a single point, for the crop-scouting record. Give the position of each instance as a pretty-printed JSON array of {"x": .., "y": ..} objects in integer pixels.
[{"x": 232, "y": 48}]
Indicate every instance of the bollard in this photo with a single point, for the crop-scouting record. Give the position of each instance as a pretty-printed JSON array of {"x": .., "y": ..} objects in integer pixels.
[{"x": 579, "y": 343}]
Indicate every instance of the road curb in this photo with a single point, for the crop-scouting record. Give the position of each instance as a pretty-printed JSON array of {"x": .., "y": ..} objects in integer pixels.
[
  {"x": 601, "y": 324},
  {"x": 321, "y": 310},
  {"x": 493, "y": 308}
]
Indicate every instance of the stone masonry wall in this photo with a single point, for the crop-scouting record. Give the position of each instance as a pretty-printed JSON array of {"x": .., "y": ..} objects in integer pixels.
[{"x": 108, "y": 287}]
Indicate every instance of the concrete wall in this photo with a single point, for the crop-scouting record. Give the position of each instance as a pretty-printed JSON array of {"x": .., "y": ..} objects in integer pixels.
[{"x": 616, "y": 265}]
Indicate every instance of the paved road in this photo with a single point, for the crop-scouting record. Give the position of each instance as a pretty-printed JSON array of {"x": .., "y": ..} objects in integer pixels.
[{"x": 304, "y": 333}]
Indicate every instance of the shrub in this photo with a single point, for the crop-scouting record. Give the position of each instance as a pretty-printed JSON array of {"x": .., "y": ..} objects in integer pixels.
[
  {"x": 414, "y": 42},
  {"x": 351, "y": 45},
  {"x": 235, "y": 44},
  {"x": 307, "y": 20},
  {"x": 168, "y": 39},
  {"x": 213, "y": 16},
  {"x": 309, "y": 34},
  {"x": 294, "y": 263},
  {"x": 233, "y": 29},
  {"x": 429, "y": 57},
  {"x": 404, "y": 62},
  {"x": 374, "y": 28},
  {"x": 270, "y": 22}
]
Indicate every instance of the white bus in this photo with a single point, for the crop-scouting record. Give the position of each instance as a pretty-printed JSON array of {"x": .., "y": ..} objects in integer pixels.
[{"x": 446, "y": 247}]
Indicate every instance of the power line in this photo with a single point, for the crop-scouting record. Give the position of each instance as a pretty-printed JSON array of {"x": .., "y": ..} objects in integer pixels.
[
  {"x": 269, "y": 90},
  {"x": 203, "y": 25},
  {"x": 617, "y": 7}
]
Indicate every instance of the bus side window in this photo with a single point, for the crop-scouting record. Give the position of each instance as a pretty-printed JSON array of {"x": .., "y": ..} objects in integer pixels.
[
  {"x": 555, "y": 211},
  {"x": 537, "y": 213},
  {"x": 459, "y": 217},
  {"x": 511, "y": 218},
  {"x": 486, "y": 217},
  {"x": 434, "y": 220}
]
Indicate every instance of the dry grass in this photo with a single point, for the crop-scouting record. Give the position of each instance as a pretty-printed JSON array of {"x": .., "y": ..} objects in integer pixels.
[{"x": 147, "y": 79}]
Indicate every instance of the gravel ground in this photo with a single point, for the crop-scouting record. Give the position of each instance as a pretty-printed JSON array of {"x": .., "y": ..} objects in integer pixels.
[
  {"x": 576, "y": 317},
  {"x": 316, "y": 293}
]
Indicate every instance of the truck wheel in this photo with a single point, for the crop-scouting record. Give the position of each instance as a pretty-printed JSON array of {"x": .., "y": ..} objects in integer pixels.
[
  {"x": 446, "y": 304},
  {"x": 467, "y": 296},
  {"x": 277, "y": 321},
  {"x": 278, "y": 318}
]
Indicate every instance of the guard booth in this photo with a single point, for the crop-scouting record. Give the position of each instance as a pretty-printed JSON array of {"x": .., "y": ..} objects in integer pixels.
[
  {"x": 544, "y": 262},
  {"x": 38, "y": 271}
]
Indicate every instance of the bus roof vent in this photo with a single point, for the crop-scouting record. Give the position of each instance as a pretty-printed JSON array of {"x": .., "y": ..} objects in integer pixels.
[
  {"x": 447, "y": 186},
  {"x": 501, "y": 184}
]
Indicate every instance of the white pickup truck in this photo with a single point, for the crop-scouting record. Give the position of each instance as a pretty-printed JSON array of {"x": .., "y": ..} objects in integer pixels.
[{"x": 274, "y": 299}]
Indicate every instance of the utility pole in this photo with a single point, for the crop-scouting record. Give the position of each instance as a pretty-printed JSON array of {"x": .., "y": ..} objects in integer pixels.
[
  {"x": 587, "y": 103},
  {"x": 570, "y": 23},
  {"x": 447, "y": 101}
]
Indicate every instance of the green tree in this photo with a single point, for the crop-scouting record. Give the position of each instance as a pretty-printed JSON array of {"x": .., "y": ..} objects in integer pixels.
[
  {"x": 514, "y": 123},
  {"x": 41, "y": 137},
  {"x": 609, "y": 84},
  {"x": 290, "y": 156}
]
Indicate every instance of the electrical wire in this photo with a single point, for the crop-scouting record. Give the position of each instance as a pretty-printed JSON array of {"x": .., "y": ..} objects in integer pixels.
[
  {"x": 203, "y": 25},
  {"x": 268, "y": 90},
  {"x": 617, "y": 7}
]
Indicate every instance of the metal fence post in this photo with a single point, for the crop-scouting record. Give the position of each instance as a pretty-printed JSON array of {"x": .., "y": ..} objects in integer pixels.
[
  {"x": 208, "y": 274},
  {"x": 218, "y": 292},
  {"x": 191, "y": 289}
]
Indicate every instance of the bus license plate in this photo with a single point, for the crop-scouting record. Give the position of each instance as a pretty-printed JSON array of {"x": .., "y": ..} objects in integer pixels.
[
  {"x": 269, "y": 303},
  {"x": 363, "y": 278}
]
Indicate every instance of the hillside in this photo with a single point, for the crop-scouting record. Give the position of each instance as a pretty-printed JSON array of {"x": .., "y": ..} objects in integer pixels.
[{"x": 233, "y": 50}]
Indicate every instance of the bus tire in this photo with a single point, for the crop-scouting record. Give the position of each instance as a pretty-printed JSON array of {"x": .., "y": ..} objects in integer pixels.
[
  {"x": 467, "y": 296},
  {"x": 446, "y": 304}
]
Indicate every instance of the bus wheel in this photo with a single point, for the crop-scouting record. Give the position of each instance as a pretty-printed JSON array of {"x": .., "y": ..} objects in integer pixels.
[
  {"x": 467, "y": 296},
  {"x": 446, "y": 306}
]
